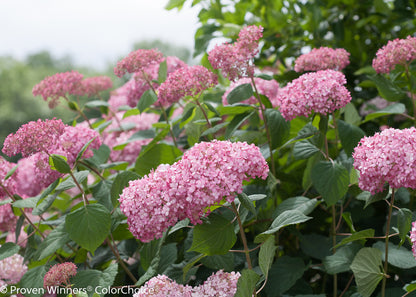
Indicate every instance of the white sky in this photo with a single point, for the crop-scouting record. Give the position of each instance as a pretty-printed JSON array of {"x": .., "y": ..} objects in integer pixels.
[{"x": 93, "y": 32}]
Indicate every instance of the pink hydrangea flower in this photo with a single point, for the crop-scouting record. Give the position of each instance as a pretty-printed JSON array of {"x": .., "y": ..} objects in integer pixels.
[
  {"x": 268, "y": 88},
  {"x": 22, "y": 240},
  {"x": 7, "y": 217},
  {"x": 208, "y": 173},
  {"x": 323, "y": 58},
  {"x": 137, "y": 60},
  {"x": 387, "y": 157},
  {"x": 58, "y": 85},
  {"x": 413, "y": 238},
  {"x": 235, "y": 60},
  {"x": 221, "y": 283},
  {"x": 186, "y": 81},
  {"x": 59, "y": 274},
  {"x": 11, "y": 270},
  {"x": 92, "y": 86},
  {"x": 321, "y": 92},
  {"x": 27, "y": 180},
  {"x": 396, "y": 52}
]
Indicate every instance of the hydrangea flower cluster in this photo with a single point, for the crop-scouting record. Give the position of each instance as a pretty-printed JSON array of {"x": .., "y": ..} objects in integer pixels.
[
  {"x": 413, "y": 238},
  {"x": 186, "y": 81},
  {"x": 387, "y": 157},
  {"x": 92, "y": 86},
  {"x": 59, "y": 274},
  {"x": 28, "y": 183},
  {"x": 323, "y": 58},
  {"x": 222, "y": 284},
  {"x": 321, "y": 92},
  {"x": 58, "y": 85},
  {"x": 396, "y": 52},
  {"x": 114, "y": 136},
  {"x": 235, "y": 59},
  {"x": 268, "y": 88},
  {"x": 207, "y": 174},
  {"x": 7, "y": 217},
  {"x": 11, "y": 270},
  {"x": 137, "y": 60}
]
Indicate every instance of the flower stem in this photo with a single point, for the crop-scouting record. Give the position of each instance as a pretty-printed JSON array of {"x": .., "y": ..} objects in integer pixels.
[
  {"x": 203, "y": 112},
  {"x": 334, "y": 243},
  {"x": 386, "y": 257},
  {"x": 170, "y": 126},
  {"x": 243, "y": 236},
  {"x": 119, "y": 260},
  {"x": 412, "y": 96}
]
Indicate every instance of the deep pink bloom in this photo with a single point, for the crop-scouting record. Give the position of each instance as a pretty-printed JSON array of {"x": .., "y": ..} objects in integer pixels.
[
  {"x": 268, "y": 88},
  {"x": 7, "y": 217},
  {"x": 59, "y": 274},
  {"x": 387, "y": 157},
  {"x": 33, "y": 137},
  {"x": 235, "y": 60},
  {"x": 11, "y": 270},
  {"x": 323, "y": 58},
  {"x": 186, "y": 81},
  {"x": 137, "y": 60},
  {"x": 221, "y": 283},
  {"x": 58, "y": 85},
  {"x": 321, "y": 92},
  {"x": 92, "y": 86},
  {"x": 396, "y": 52},
  {"x": 207, "y": 174},
  {"x": 413, "y": 238},
  {"x": 28, "y": 181}
]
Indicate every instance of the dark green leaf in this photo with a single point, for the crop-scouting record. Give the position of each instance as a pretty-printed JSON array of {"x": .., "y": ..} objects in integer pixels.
[
  {"x": 83, "y": 149},
  {"x": 364, "y": 234},
  {"x": 398, "y": 256},
  {"x": 148, "y": 98},
  {"x": 246, "y": 284},
  {"x": 387, "y": 89},
  {"x": 300, "y": 203},
  {"x": 214, "y": 237},
  {"x": 218, "y": 262},
  {"x": 404, "y": 223},
  {"x": 350, "y": 136},
  {"x": 159, "y": 154},
  {"x": 247, "y": 203},
  {"x": 89, "y": 226},
  {"x": 240, "y": 93},
  {"x": 59, "y": 163},
  {"x": 8, "y": 249},
  {"x": 397, "y": 108},
  {"x": 69, "y": 183},
  {"x": 331, "y": 180},
  {"x": 54, "y": 241},
  {"x": 34, "y": 279},
  {"x": 304, "y": 149},
  {"x": 236, "y": 122},
  {"x": 44, "y": 205},
  {"x": 120, "y": 182},
  {"x": 266, "y": 255},
  {"x": 342, "y": 259},
  {"x": 279, "y": 128}
]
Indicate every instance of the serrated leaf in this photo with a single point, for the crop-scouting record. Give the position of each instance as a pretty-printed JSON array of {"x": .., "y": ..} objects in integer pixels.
[
  {"x": 59, "y": 163},
  {"x": 240, "y": 93},
  {"x": 8, "y": 249},
  {"x": 304, "y": 149},
  {"x": 148, "y": 98},
  {"x": 387, "y": 89},
  {"x": 160, "y": 153},
  {"x": 364, "y": 234},
  {"x": 120, "y": 182},
  {"x": 54, "y": 241},
  {"x": 367, "y": 270},
  {"x": 214, "y": 237},
  {"x": 300, "y": 203},
  {"x": 398, "y": 256},
  {"x": 278, "y": 127},
  {"x": 331, "y": 180},
  {"x": 33, "y": 278},
  {"x": 266, "y": 255},
  {"x": 350, "y": 135},
  {"x": 83, "y": 149},
  {"x": 246, "y": 284},
  {"x": 89, "y": 226},
  {"x": 236, "y": 122},
  {"x": 247, "y": 203},
  {"x": 342, "y": 259}
]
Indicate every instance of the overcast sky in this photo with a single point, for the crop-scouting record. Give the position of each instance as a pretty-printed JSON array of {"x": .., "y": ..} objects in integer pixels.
[{"x": 93, "y": 32}]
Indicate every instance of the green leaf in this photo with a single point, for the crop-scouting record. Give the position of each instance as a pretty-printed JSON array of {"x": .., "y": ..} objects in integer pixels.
[
  {"x": 304, "y": 149},
  {"x": 10, "y": 172},
  {"x": 45, "y": 204},
  {"x": 348, "y": 219},
  {"x": 283, "y": 275},
  {"x": 367, "y": 270},
  {"x": 69, "y": 183},
  {"x": 96, "y": 103},
  {"x": 266, "y": 255},
  {"x": 246, "y": 284},
  {"x": 175, "y": 4},
  {"x": 218, "y": 262},
  {"x": 279, "y": 128},
  {"x": 240, "y": 93},
  {"x": 214, "y": 237},
  {"x": 54, "y": 241},
  {"x": 26, "y": 203},
  {"x": 387, "y": 89},
  {"x": 83, "y": 149},
  {"x": 89, "y": 226},
  {"x": 120, "y": 182},
  {"x": 191, "y": 263},
  {"x": 351, "y": 114},
  {"x": 410, "y": 287},
  {"x": 300, "y": 203},
  {"x": 33, "y": 278},
  {"x": 397, "y": 108},
  {"x": 364, "y": 234},
  {"x": 163, "y": 71},
  {"x": 142, "y": 135},
  {"x": 350, "y": 135},
  {"x": 331, "y": 180},
  {"x": 160, "y": 153},
  {"x": 148, "y": 98},
  {"x": 236, "y": 122},
  {"x": 8, "y": 249},
  {"x": 214, "y": 129},
  {"x": 404, "y": 223},
  {"x": 247, "y": 203},
  {"x": 342, "y": 259},
  {"x": 398, "y": 256},
  {"x": 235, "y": 109},
  {"x": 179, "y": 225},
  {"x": 316, "y": 245},
  {"x": 59, "y": 163},
  {"x": 286, "y": 218}
]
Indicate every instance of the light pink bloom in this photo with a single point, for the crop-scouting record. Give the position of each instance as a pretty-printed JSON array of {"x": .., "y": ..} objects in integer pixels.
[
  {"x": 321, "y": 92},
  {"x": 28, "y": 182},
  {"x": 137, "y": 60},
  {"x": 58, "y": 85},
  {"x": 235, "y": 60},
  {"x": 323, "y": 58},
  {"x": 387, "y": 157},
  {"x": 11, "y": 237},
  {"x": 396, "y": 52},
  {"x": 11, "y": 270},
  {"x": 413, "y": 238},
  {"x": 92, "y": 86},
  {"x": 268, "y": 88},
  {"x": 186, "y": 81},
  {"x": 7, "y": 217},
  {"x": 59, "y": 274},
  {"x": 207, "y": 174}
]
